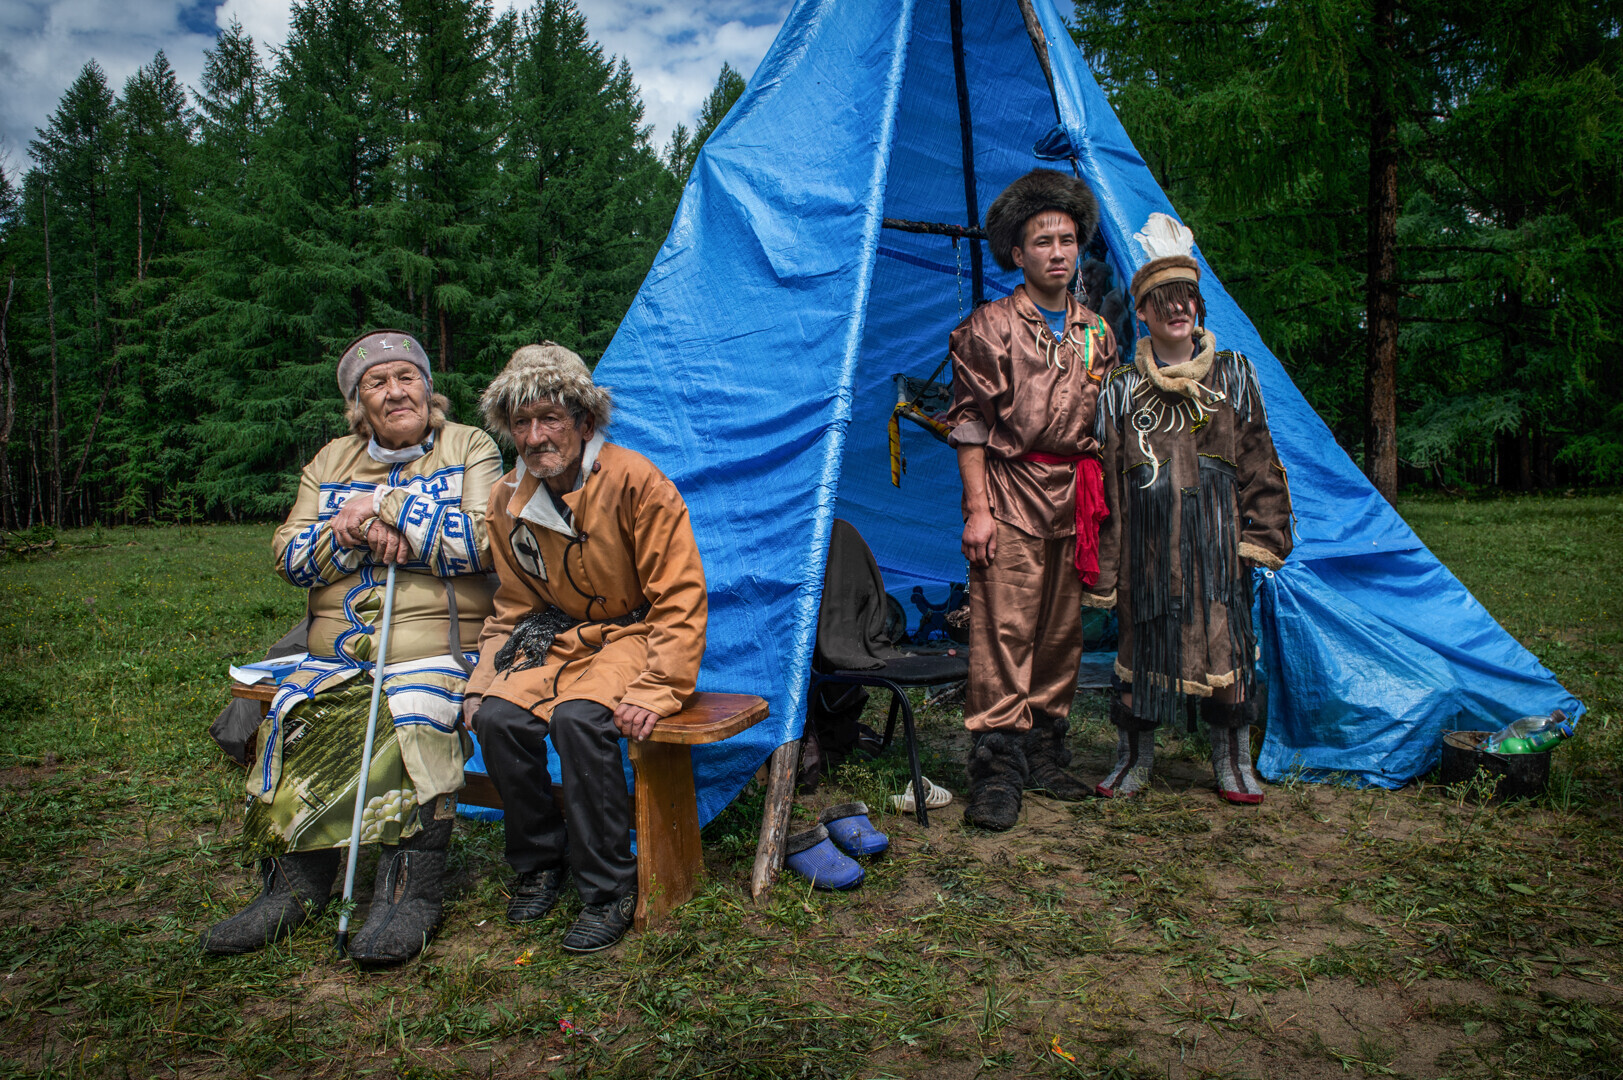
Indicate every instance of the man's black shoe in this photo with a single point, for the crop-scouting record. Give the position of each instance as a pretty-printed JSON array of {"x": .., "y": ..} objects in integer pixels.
[
  {"x": 601, "y": 925},
  {"x": 535, "y": 894}
]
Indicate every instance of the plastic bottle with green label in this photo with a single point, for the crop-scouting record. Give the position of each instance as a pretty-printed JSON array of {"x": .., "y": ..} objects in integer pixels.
[{"x": 1530, "y": 735}]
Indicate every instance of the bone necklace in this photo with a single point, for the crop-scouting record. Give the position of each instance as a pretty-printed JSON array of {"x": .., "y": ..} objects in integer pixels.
[
  {"x": 1049, "y": 345},
  {"x": 1157, "y": 414}
]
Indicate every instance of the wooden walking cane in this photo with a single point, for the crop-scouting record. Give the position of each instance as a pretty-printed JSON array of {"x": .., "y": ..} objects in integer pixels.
[{"x": 366, "y": 764}]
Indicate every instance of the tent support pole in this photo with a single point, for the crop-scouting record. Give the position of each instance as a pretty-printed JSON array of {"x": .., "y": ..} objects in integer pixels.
[
  {"x": 934, "y": 227},
  {"x": 967, "y": 134},
  {"x": 1034, "y": 30}
]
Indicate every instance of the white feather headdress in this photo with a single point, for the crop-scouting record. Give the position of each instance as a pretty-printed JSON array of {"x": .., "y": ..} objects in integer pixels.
[{"x": 1163, "y": 236}]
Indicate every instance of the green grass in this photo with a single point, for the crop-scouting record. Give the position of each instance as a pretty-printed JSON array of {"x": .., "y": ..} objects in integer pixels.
[{"x": 1330, "y": 932}]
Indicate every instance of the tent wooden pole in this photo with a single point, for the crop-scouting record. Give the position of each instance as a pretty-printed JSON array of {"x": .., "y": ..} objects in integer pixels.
[
  {"x": 1034, "y": 30},
  {"x": 967, "y": 134},
  {"x": 780, "y": 797},
  {"x": 934, "y": 227}
]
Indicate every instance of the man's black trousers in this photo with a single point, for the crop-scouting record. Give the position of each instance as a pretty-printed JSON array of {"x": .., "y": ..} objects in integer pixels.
[{"x": 597, "y": 844}]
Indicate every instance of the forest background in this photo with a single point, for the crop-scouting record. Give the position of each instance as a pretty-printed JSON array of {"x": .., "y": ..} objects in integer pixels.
[{"x": 1419, "y": 203}]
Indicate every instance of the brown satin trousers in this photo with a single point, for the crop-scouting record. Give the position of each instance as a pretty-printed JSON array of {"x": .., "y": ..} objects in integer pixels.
[{"x": 1025, "y": 632}]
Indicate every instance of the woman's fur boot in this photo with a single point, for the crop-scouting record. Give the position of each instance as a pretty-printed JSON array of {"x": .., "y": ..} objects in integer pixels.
[
  {"x": 295, "y": 888},
  {"x": 407, "y": 898}
]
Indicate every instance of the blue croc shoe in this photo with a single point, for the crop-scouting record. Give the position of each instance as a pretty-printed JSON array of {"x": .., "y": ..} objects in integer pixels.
[
  {"x": 848, "y": 826},
  {"x": 813, "y": 856}
]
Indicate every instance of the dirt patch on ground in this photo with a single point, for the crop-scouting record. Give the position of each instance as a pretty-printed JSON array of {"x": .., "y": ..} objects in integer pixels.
[
  {"x": 27, "y": 776},
  {"x": 1326, "y": 933}
]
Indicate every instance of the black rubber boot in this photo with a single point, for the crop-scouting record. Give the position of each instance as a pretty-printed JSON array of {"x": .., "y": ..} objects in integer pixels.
[
  {"x": 1047, "y": 755},
  {"x": 407, "y": 898},
  {"x": 296, "y": 887},
  {"x": 1135, "y": 754},
  {"x": 600, "y": 925},
  {"x": 535, "y": 894},
  {"x": 997, "y": 774}
]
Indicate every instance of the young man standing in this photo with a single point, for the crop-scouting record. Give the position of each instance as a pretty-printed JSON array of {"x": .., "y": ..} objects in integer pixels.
[{"x": 1026, "y": 376}]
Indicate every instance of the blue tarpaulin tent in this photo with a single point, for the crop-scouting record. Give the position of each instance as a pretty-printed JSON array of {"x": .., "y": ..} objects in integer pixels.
[{"x": 755, "y": 368}]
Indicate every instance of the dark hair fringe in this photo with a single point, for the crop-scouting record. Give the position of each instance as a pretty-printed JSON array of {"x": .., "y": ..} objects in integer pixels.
[{"x": 1164, "y": 298}]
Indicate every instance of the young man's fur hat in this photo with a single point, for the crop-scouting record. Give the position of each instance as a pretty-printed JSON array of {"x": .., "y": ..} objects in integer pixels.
[
  {"x": 1038, "y": 190},
  {"x": 544, "y": 372}
]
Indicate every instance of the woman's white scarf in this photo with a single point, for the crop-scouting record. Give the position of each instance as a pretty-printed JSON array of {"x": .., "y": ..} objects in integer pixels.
[{"x": 396, "y": 457}]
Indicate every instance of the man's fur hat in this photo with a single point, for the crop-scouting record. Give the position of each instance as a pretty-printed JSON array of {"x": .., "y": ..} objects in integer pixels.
[
  {"x": 1038, "y": 190},
  {"x": 544, "y": 372}
]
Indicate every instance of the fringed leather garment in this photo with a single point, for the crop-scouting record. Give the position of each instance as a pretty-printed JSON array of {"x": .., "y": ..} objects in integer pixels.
[{"x": 1194, "y": 485}]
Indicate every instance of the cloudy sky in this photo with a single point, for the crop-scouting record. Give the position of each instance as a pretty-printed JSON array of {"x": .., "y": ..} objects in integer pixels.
[{"x": 675, "y": 48}]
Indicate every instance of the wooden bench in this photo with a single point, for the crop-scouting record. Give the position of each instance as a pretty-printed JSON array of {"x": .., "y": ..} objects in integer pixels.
[{"x": 664, "y": 806}]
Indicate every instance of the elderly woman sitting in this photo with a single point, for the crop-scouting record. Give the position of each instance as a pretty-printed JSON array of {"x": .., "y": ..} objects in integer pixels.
[{"x": 406, "y": 488}]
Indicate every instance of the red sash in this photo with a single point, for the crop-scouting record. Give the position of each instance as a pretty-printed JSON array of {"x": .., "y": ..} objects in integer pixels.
[{"x": 1090, "y": 507}]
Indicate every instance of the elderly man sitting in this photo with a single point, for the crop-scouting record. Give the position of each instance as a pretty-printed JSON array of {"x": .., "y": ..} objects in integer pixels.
[
  {"x": 404, "y": 487},
  {"x": 598, "y": 632}
]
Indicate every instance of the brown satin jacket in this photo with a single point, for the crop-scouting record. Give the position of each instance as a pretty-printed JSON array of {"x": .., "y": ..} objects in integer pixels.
[{"x": 1015, "y": 390}]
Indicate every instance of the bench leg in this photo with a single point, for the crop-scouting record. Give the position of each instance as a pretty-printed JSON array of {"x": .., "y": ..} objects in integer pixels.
[
  {"x": 667, "y": 817},
  {"x": 780, "y": 792}
]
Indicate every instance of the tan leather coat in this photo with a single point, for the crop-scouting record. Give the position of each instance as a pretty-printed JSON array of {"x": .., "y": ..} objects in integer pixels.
[{"x": 630, "y": 543}]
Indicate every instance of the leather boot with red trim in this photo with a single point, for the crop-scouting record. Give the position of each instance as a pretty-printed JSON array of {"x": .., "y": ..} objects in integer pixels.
[
  {"x": 1135, "y": 754},
  {"x": 1228, "y": 726}
]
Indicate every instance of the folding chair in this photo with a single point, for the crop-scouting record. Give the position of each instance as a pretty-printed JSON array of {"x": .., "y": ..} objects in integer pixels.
[{"x": 861, "y": 588}]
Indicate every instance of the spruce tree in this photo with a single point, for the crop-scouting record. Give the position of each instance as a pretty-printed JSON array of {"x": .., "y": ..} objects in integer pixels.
[
  {"x": 443, "y": 172},
  {"x": 584, "y": 200},
  {"x": 684, "y": 149},
  {"x": 75, "y": 153},
  {"x": 1367, "y": 180},
  {"x": 308, "y": 250}
]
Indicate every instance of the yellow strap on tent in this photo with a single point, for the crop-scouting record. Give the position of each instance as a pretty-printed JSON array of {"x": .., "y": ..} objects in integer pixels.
[
  {"x": 929, "y": 423},
  {"x": 896, "y": 445}
]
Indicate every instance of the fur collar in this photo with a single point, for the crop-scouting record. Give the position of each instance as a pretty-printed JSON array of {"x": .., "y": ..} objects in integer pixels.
[{"x": 1185, "y": 378}]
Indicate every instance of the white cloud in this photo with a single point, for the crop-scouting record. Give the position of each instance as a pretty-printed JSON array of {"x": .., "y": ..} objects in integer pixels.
[
  {"x": 265, "y": 21},
  {"x": 44, "y": 45},
  {"x": 675, "y": 49}
]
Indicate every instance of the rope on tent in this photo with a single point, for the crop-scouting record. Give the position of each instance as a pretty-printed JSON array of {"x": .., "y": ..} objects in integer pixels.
[{"x": 921, "y": 401}]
